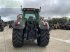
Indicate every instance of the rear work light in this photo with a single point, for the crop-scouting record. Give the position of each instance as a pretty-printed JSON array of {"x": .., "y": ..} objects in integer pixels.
[{"x": 17, "y": 23}]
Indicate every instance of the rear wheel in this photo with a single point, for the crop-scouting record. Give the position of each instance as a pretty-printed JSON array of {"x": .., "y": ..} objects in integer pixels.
[
  {"x": 2, "y": 29},
  {"x": 17, "y": 38},
  {"x": 43, "y": 40}
]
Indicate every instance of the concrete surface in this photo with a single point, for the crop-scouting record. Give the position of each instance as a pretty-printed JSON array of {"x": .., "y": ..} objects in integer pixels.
[{"x": 59, "y": 42}]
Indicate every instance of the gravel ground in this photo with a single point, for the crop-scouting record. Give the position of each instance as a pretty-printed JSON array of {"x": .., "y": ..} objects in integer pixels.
[{"x": 59, "y": 42}]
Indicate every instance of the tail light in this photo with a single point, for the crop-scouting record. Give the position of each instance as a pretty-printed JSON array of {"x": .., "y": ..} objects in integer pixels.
[
  {"x": 17, "y": 23},
  {"x": 47, "y": 25}
]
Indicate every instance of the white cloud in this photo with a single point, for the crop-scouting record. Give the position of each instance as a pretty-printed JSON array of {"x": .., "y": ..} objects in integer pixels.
[
  {"x": 49, "y": 7},
  {"x": 11, "y": 3}
]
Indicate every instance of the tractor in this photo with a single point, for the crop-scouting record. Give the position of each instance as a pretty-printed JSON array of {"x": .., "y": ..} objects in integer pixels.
[
  {"x": 27, "y": 26},
  {"x": 1, "y": 24},
  {"x": 10, "y": 24}
]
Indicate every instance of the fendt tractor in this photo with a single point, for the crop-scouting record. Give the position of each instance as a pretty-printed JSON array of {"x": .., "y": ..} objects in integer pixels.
[
  {"x": 28, "y": 27},
  {"x": 1, "y": 24}
]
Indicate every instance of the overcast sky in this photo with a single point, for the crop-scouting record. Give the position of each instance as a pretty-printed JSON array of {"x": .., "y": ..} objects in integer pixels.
[{"x": 9, "y": 9}]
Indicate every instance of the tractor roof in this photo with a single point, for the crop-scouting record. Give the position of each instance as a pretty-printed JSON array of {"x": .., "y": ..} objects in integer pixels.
[{"x": 31, "y": 9}]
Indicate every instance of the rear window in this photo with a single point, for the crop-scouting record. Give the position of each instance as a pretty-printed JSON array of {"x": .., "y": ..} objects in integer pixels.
[{"x": 28, "y": 15}]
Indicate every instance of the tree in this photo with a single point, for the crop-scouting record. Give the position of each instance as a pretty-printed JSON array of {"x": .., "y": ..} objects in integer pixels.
[{"x": 58, "y": 20}]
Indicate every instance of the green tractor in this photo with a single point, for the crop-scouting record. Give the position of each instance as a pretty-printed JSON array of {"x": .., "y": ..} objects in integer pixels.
[
  {"x": 28, "y": 26},
  {"x": 1, "y": 24}
]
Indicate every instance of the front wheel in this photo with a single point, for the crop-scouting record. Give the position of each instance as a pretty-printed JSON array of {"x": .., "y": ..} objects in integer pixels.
[{"x": 43, "y": 40}]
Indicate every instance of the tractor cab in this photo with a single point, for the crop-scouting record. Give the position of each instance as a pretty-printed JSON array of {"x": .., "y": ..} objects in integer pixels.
[
  {"x": 31, "y": 17},
  {"x": 30, "y": 12}
]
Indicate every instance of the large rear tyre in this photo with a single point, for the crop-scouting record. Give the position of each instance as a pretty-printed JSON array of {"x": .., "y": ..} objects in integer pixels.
[
  {"x": 43, "y": 40},
  {"x": 17, "y": 38}
]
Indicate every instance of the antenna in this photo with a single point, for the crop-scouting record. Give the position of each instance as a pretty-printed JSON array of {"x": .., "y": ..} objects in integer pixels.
[
  {"x": 40, "y": 8},
  {"x": 21, "y": 7}
]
